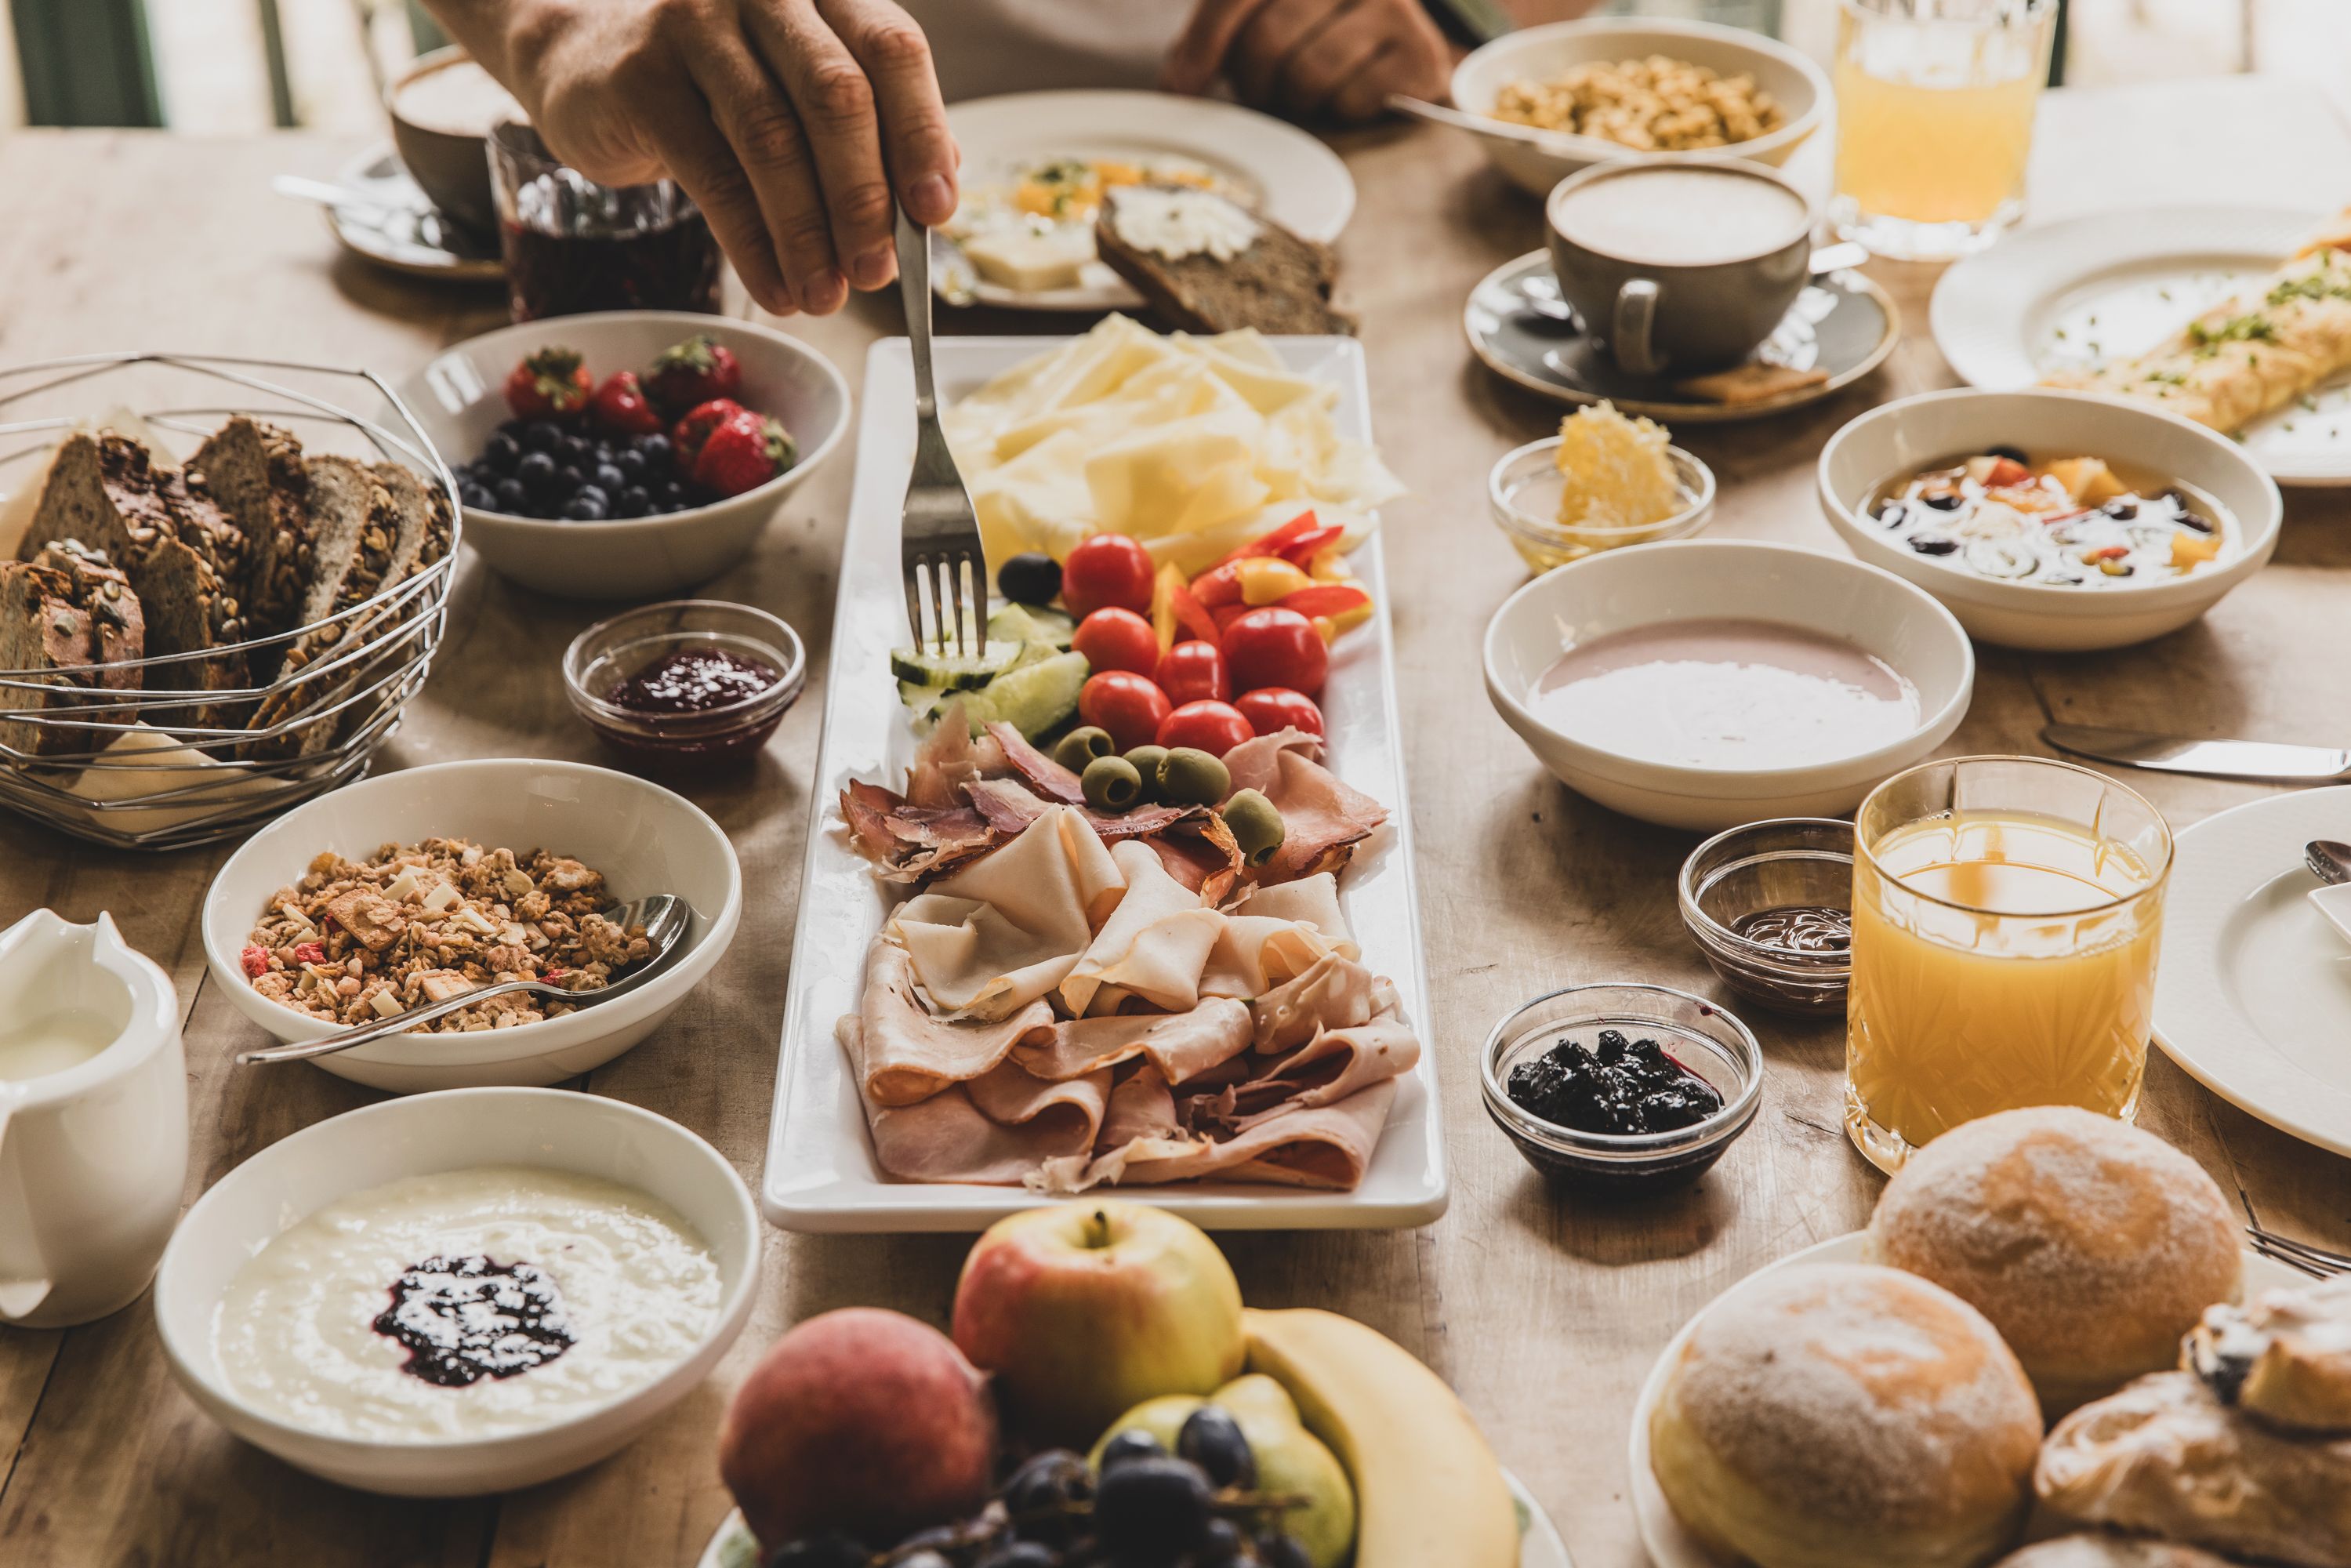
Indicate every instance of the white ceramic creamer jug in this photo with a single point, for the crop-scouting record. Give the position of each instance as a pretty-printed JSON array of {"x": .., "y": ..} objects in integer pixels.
[{"x": 93, "y": 1121}]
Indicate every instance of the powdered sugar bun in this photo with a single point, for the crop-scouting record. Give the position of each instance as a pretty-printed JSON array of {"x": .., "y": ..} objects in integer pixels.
[
  {"x": 1841, "y": 1413},
  {"x": 2110, "y": 1552},
  {"x": 2093, "y": 1247}
]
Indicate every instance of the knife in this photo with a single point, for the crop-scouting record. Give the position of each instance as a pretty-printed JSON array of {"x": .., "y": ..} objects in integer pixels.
[{"x": 2216, "y": 758}]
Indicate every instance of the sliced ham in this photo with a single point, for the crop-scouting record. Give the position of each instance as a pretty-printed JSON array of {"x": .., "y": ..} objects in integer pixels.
[
  {"x": 1328, "y": 1069},
  {"x": 1153, "y": 944},
  {"x": 1179, "y": 1046},
  {"x": 1314, "y": 900},
  {"x": 948, "y": 1137},
  {"x": 1141, "y": 1107},
  {"x": 1324, "y": 1147},
  {"x": 1333, "y": 994},
  {"x": 904, "y": 1055},
  {"x": 1051, "y": 779},
  {"x": 950, "y": 758}
]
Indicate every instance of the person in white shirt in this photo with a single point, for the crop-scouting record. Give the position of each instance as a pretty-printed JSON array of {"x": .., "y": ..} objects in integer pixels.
[{"x": 795, "y": 123}]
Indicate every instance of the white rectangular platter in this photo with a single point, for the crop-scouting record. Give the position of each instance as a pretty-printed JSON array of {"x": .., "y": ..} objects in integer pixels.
[{"x": 822, "y": 1175}]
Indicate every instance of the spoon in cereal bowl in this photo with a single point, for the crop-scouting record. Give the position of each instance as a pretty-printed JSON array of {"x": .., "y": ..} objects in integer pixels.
[{"x": 665, "y": 918}]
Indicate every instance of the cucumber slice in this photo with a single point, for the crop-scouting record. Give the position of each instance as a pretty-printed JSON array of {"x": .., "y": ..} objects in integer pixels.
[
  {"x": 1033, "y": 698},
  {"x": 1023, "y": 622},
  {"x": 956, "y": 672}
]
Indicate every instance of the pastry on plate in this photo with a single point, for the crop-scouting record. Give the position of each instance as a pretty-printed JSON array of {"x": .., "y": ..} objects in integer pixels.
[
  {"x": 1208, "y": 265},
  {"x": 2286, "y": 1357},
  {"x": 2166, "y": 1457},
  {"x": 1839, "y": 1413},
  {"x": 2093, "y": 1247},
  {"x": 2103, "y": 1550}
]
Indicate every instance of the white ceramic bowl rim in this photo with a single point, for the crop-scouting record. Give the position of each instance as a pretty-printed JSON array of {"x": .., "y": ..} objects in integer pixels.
[
  {"x": 200, "y": 1363},
  {"x": 1599, "y": 149},
  {"x": 1735, "y": 1113},
  {"x": 693, "y": 321},
  {"x": 527, "y": 1034},
  {"x": 2256, "y": 534},
  {"x": 1922, "y": 603},
  {"x": 1685, "y": 464},
  {"x": 789, "y": 650}
]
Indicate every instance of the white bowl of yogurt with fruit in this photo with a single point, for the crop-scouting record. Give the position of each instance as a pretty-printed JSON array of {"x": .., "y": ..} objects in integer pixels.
[
  {"x": 460, "y": 1292},
  {"x": 2051, "y": 520},
  {"x": 1705, "y": 683}
]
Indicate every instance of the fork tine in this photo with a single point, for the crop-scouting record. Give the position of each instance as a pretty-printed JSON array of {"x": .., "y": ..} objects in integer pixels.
[
  {"x": 955, "y": 564},
  {"x": 939, "y": 570},
  {"x": 2316, "y": 1259},
  {"x": 911, "y": 577}
]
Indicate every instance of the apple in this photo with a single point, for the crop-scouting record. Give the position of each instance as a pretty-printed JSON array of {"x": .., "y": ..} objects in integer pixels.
[
  {"x": 1085, "y": 1309},
  {"x": 860, "y": 1420}
]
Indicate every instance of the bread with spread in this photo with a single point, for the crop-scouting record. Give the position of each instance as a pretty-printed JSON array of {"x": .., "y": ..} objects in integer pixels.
[{"x": 1207, "y": 266}]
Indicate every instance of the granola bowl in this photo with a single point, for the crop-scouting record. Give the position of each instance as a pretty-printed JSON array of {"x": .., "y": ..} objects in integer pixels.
[
  {"x": 459, "y": 397},
  {"x": 641, "y": 837}
]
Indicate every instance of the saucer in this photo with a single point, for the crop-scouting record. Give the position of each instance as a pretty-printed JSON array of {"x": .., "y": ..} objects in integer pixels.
[
  {"x": 407, "y": 234},
  {"x": 1842, "y": 323}
]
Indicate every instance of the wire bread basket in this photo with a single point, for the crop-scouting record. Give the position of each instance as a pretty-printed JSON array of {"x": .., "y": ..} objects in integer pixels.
[{"x": 173, "y": 749}]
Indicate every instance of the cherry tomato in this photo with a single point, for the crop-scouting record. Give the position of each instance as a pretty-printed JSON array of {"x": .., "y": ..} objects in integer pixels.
[
  {"x": 1116, "y": 639},
  {"x": 1107, "y": 568},
  {"x": 1272, "y": 709},
  {"x": 1192, "y": 671},
  {"x": 1214, "y": 727},
  {"x": 1275, "y": 647},
  {"x": 1126, "y": 704}
]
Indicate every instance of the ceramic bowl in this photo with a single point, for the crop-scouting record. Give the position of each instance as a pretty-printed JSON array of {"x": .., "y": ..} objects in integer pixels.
[
  {"x": 1539, "y": 159},
  {"x": 1702, "y": 1038},
  {"x": 1688, "y": 580},
  {"x": 459, "y": 398},
  {"x": 1915, "y": 432},
  {"x": 1522, "y": 494},
  {"x": 553, "y": 1129},
  {"x": 643, "y": 838}
]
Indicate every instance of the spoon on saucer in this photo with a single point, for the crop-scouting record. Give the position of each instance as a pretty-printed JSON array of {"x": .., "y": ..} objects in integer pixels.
[
  {"x": 2328, "y": 860},
  {"x": 665, "y": 916}
]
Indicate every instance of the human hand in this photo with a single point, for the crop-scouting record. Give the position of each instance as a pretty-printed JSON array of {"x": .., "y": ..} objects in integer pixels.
[
  {"x": 1339, "y": 57},
  {"x": 791, "y": 123}
]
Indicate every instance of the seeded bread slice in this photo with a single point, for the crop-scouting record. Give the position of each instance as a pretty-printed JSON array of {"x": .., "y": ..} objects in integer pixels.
[
  {"x": 65, "y": 610},
  {"x": 255, "y": 471},
  {"x": 1279, "y": 284}
]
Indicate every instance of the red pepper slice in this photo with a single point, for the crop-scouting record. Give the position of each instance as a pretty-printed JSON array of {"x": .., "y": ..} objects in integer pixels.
[
  {"x": 1219, "y": 586},
  {"x": 1192, "y": 615},
  {"x": 1332, "y": 599},
  {"x": 1300, "y": 552},
  {"x": 1276, "y": 542}
]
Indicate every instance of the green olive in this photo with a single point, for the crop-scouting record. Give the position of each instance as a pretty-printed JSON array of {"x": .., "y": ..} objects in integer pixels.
[
  {"x": 1257, "y": 826},
  {"x": 1146, "y": 760},
  {"x": 1190, "y": 777},
  {"x": 1081, "y": 746},
  {"x": 1111, "y": 784}
]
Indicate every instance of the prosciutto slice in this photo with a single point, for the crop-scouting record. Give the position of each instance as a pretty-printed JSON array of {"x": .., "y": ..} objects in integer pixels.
[
  {"x": 1010, "y": 807},
  {"x": 1324, "y": 1146},
  {"x": 1179, "y": 1046},
  {"x": 1328, "y": 1069},
  {"x": 949, "y": 760},
  {"x": 1051, "y": 779},
  {"x": 904, "y": 1055},
  {"x": 1322, "y": 818},
  {"x": 949, "y": 1136}
]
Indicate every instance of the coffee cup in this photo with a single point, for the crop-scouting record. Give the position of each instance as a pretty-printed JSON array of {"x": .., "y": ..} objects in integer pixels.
[
  {"x": 93, "y": 1121},
  {"x": 1678, "y": 264}
]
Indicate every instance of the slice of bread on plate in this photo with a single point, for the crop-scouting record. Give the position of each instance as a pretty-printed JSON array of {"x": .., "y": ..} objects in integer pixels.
[{"x": 1206, "y": 264}]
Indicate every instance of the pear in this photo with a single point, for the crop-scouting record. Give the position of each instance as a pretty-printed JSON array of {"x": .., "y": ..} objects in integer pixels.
[{"x": 1292, "y": 1459}]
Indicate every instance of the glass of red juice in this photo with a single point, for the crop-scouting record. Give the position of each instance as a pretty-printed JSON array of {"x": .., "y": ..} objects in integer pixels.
[{"x": 572, "y": 246}]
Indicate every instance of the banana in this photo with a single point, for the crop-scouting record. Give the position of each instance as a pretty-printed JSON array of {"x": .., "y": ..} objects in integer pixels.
[{"x": 1427, "y": 1490}]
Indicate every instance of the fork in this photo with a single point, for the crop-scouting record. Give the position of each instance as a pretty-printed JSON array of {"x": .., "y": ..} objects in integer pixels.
[
  {"x": 939, "y": 532},
  {"x": 2298, "y": 1254}
]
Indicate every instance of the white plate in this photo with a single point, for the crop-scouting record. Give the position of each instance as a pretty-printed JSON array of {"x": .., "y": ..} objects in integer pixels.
[
  {"x": 1539, "y": 1544},
  {"x": 821, "y": 1173},
  {"x": 2114, "y": 285},
  {"x": 1294, "y": 178},
  {"x": 2253, "y": 995},
  {"x": 1671, "y": 1546}
]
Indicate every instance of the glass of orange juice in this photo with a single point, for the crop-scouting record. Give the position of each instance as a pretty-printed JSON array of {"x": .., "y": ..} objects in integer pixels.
[
  {"x": 1935, "y": 104},
  {"x": 2006, "y": 912}
]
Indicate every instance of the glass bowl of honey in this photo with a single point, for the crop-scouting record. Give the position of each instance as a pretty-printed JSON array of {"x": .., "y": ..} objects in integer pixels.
[
  {"x": 1770, "y": 906},
  {"x": 1523, "y": 495}
]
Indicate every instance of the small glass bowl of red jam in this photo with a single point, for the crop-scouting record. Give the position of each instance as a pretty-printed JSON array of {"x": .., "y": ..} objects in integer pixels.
[
  {"x": 1608, "y": 1058},
  {"x": 692, "y": 680}
]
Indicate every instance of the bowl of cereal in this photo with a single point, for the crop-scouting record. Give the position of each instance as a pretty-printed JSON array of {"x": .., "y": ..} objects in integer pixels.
[
  {"x": 1561, "y": 98},
  {"x": 418, "y": 885}
]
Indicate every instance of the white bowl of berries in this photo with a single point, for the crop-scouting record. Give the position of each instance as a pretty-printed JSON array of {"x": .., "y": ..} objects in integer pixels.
[{"x": 629, "y": 454}]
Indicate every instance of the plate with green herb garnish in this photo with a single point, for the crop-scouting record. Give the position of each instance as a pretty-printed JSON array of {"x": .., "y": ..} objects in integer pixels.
[{"x": 2178, "y": 306}]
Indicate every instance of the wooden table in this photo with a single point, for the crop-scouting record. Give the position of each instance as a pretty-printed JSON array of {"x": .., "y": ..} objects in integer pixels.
[{"x": 1545, "y": 1313}]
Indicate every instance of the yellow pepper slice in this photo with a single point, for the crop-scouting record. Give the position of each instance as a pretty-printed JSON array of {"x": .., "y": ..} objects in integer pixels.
[
  {"x": 1163, "y": 604},
  {"x": 1268, "y": 579}
]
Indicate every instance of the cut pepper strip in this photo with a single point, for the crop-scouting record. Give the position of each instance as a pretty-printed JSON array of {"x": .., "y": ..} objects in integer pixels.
[
  {"x": 1268, "y": 579},
  {"x": 1193, "y": 617},
  {"x": 1219, "y": 586},
  {"x": 1278, "y": 542},
  {"x": 1164, "y": 588},
  {"x": 1303, "y": 552},
  {"x": 1344, "y": 605}
]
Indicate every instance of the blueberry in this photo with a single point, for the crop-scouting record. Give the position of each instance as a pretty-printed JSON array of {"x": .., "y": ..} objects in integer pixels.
[
  {"x": 631, "y": 462},
  {"x": 1152, "y": 1513},
  {"x": 609, "y": 479},
  {"x": 535, "y": 470},
  {"x": 655, "y": 447},
  {"x": 576, "y": 449},
  {"x": 511, "y": 496},
  {"x": 477, "y": 495},
  {"x": 541, "y": 435},
  {"x": 500, "y": 452},
  {"x": 1212, "y": 1440},
  {"x": 632, "y": 502},
  {"x": 595, "y": 494},
  {"x": 1134, "y": 1443},
  {"x": 569, "y": 478},
  {"x": 513, "y": 428},
  {"x": 580, "y": 510},
  {"x": 671, "y": 490}
]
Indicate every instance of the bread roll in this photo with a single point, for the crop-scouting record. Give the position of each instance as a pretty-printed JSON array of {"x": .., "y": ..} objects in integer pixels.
[
  {"x": 1839, "y": 1413},
  {"x": 2109, "y": 1552},
  {"x": 2092, "y": 1246},
  {"x": 2286, "y": 1357}
]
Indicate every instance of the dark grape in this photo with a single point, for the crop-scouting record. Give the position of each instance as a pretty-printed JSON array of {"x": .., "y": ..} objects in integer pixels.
[
  {"x": 831, "y": 1550},
  {"x": 1212, "y": 1440},
  {"x": 541, "y": 435},
  {"x": 1134, "y": 1443},
  {"x": 1151, "y": 1513},
  {"x": 1283, "y": 1552}
]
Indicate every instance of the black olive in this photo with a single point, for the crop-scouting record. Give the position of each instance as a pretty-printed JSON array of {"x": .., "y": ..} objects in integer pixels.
[
  {"x": 2013, "y": 453},
  {"x": 1892, "y": 513},
  {"x": 1029, "y": 578},
  {"x": 1949, "y": 501},
  {"x": 1932, "y": 544}
]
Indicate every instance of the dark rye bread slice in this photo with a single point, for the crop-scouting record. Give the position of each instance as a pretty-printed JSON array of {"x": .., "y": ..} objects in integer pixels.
[
  {"x": 255, "y": 471},
  {"x": 63, "y": 611},
  {"x": 1279, "y": 284}
]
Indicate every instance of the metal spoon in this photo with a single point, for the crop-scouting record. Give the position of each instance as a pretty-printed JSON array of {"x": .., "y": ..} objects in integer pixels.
[
  {"x": 2328, "y": 860},
  {"x": 663, "y": 915}
]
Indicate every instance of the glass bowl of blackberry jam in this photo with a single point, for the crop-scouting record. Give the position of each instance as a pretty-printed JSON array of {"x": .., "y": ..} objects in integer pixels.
[
  {"x": 694, "y": 680},
  {"x": 1622, "y": 1091},
  {"x": 1771, "y": 905}
]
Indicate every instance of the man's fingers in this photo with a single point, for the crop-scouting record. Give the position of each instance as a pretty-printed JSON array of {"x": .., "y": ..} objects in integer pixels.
[
  {"x": 1263, "y": 54},
  {"x": 833, "y": 105},
  {"x": 1365, "y": 95},
  {"x": 917, "y": 144},
  {"x": 1199, "y": 53},
  {"x": 692, "y": 153},
  {"x": 773, "y": 152},
  {"x": 1325, "y": 61}
]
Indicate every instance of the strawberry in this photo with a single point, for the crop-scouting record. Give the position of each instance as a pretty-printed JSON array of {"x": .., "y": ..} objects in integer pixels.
[
  {"x": 619, "y": 406},
  {"x": 694, "y": 372},
  {"x": 696, "y": 427},
  {"x": 743, "y": 453},
  {"x": 550, "y": 384}
]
